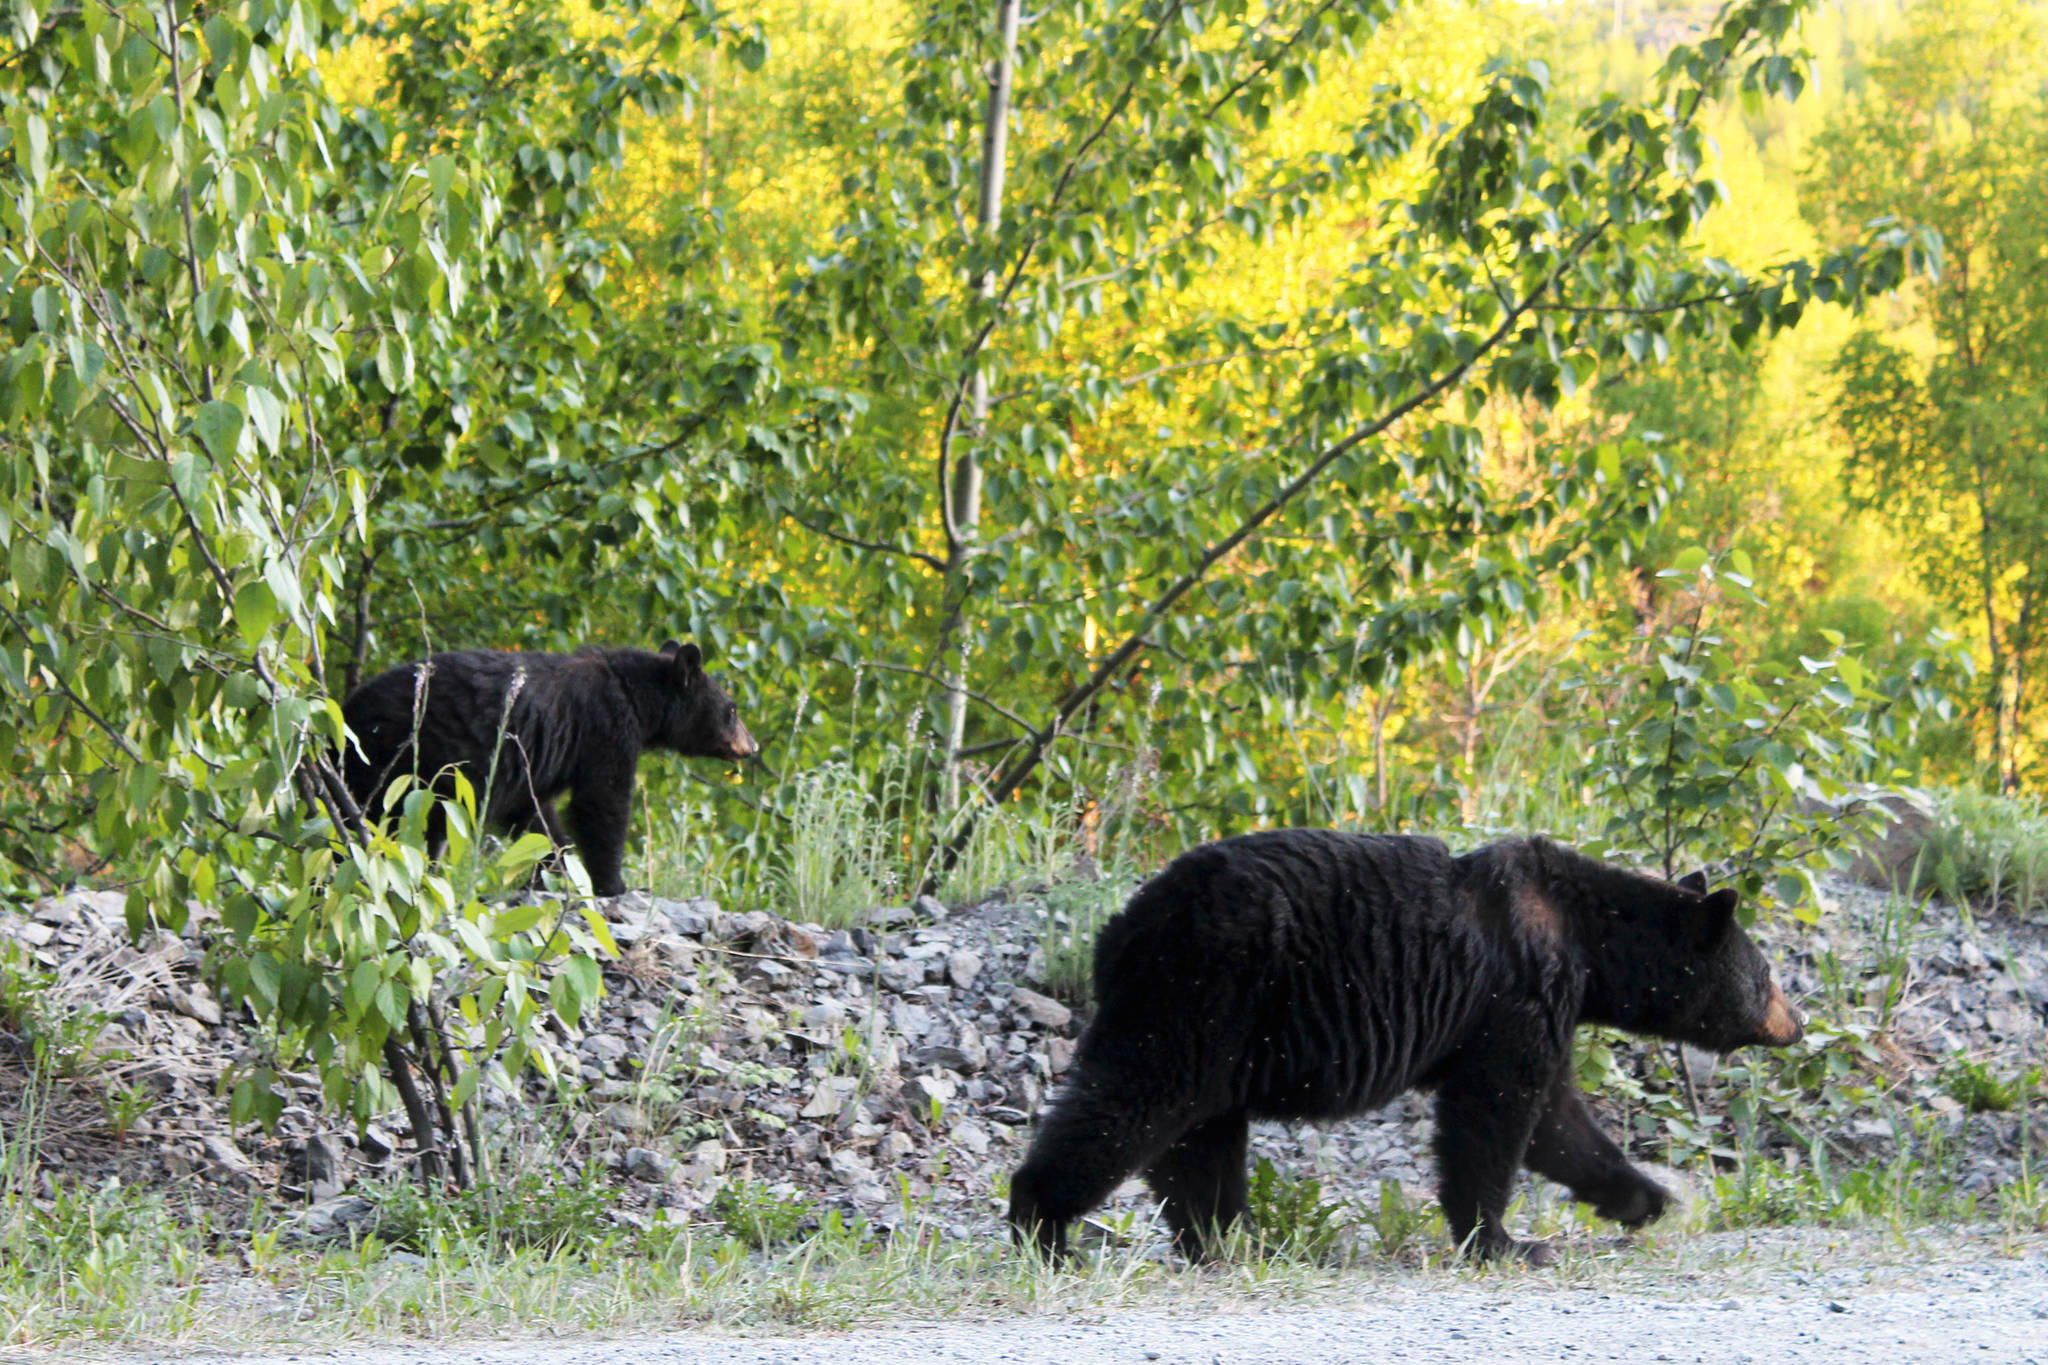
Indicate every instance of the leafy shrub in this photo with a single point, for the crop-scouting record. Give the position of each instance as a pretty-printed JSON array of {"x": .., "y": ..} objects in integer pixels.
[
  {"x": 1979, "y": 1089},
  {"x": 1702, "y": 756},
  {"x": 1291, "y": 1215},
  {"x": 757, "y": 1215},
  {"x": 1397, "y": 1221},
  {"x": 542, "y": 1210},
  {"x": 1912, "y": 1187},
  {"x": 61, "y": 1035}
]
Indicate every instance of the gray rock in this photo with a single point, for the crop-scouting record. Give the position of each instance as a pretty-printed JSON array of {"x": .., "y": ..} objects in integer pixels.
[
  {"x": 832, "y": 1095},
  {"x": 930, "y": 908},
  {"x": 317, "y": 1163},
  {"x": 826, "y": 1014},
  {"x": 912, "y": 1021},
  {"x": 962, "y": 967},
  {"x": 947, "y": 1056},
  {"x": 33, "y": 934},
  {"x": 195, "y": 1002},
  {"x": 646, "y": 1164},
  {"x": 688, "y": 917},
  {"x": 921, "y": 1093},
  {"x": 1042, "y": 1010},
  {"x": 606, "y": 1048},
  {"x": 349, "y": 1218},
  {"x": 227, "y": 1161},
  {"x": 58, "y": 910},
  {"x": 623, "y": 1118}
]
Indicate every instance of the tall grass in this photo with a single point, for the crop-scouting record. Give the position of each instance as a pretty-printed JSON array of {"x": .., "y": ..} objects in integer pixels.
[
  {"x": 1074, "y": 912},
  {"x": 836, "y": 853},
  {"x": 1989, "y": 849}
]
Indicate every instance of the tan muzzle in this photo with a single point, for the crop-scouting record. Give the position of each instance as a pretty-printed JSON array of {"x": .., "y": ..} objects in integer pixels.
[
  {"x": 742, "y": 746},
  {"x": 1783, "y": 1025}
]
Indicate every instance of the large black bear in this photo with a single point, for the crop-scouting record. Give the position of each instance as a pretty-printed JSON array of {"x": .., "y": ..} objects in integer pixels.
[
  {"x": 1307, "y": 974},
  {"x": 577, "y": 724}
]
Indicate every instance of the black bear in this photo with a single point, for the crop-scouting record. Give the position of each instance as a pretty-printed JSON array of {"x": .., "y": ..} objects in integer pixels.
[
  {"x": 576, "y": 723},
  {"x": 1308, "y": 974}
]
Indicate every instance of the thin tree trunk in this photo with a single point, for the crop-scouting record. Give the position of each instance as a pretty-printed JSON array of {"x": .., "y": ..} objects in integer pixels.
[
  {"x": 416, "y": 1112},
  {"x": 1382, "y": 709},
  {"x": 965, "y": 494},
  {"x": 359, "y": 622},
  {"x": 2002, "y": 738}
]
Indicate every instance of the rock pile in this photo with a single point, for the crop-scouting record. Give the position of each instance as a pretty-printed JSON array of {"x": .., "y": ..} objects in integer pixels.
[{"x": 889, "y": 1070}]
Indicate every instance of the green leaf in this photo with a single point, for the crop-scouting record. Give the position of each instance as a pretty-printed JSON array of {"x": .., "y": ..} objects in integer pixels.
[
  {"x": 516, "y": 919},
  {"x": 255, "y": 610},
  {"x": 37, "y": 134},
  {"x": 219, "y": 425},
  {"x": 268, "y": 415}
]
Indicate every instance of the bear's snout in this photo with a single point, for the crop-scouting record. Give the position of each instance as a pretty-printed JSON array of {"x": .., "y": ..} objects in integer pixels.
[
  {"x": 1784, "y": 1024},
  {"x": 740, "y": 744}
]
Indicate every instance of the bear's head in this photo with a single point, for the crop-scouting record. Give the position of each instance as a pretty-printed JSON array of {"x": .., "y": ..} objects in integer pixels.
[
  {"x": 700, "y": 719},
  {"x": 1727, "y": 998},
  {"x": 1666, "y": 958}
]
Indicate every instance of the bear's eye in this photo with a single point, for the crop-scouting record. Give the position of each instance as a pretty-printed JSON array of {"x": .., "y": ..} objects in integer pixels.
[{"x": 732, "y": 713}]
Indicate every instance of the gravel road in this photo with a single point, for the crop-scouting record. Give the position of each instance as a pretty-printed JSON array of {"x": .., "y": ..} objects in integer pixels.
[{"x": 1972, "y": 1309}]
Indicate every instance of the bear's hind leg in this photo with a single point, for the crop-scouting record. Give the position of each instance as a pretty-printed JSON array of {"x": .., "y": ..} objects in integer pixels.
[
  {"x": 1570, "y": 1148},
  {"x": 1201, "y": 1179}
]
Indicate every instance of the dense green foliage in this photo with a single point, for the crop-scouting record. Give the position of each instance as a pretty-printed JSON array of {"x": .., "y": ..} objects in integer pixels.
[{"x": 1336, "y": 381}]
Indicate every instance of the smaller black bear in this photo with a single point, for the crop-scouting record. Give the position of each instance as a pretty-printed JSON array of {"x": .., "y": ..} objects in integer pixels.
[
  {"x": 1307, "y": 974},
  {"x": 576, "y": 724}
]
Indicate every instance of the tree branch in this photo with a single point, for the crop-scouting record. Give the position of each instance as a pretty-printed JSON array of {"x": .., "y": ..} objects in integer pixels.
[{"x": 932, "y": 562}]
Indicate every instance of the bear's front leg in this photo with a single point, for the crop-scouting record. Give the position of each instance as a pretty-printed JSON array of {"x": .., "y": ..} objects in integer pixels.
[
  {"x": 598, "y": 814},
  {"x": 1570, "y": 1148},
  {"x": 1487, "y": 1104}
]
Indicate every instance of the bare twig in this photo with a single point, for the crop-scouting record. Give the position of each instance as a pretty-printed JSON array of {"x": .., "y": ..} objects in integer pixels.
[{"x": 932, "y": 562}]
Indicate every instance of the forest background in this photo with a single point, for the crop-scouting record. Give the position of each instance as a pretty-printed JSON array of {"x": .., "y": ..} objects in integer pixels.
[{"x": 1463, "y": 418}]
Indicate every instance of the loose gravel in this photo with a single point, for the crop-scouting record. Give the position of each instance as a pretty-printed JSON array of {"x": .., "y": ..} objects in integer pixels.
[{"x": 1800, "y": 1296}]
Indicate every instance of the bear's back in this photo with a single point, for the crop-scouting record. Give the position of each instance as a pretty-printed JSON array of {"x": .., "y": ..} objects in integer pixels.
[
  {"x": 464, "y": 696},
  {"x": 1324, "y": 972},
  {"x": 1285, "y": 892}
]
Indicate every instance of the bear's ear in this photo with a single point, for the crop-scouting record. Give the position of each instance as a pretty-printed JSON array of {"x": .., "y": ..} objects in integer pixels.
[
  {"x": 1695, "y": 882},
  {"x": 1716, "y": 918},
  {"x": 688, "y": 658}
]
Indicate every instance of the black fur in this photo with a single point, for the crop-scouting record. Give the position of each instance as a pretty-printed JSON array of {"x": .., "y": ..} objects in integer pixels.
[
  {"x": 1306, "y": 974},
  {"x": 577, "y": 724}
]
